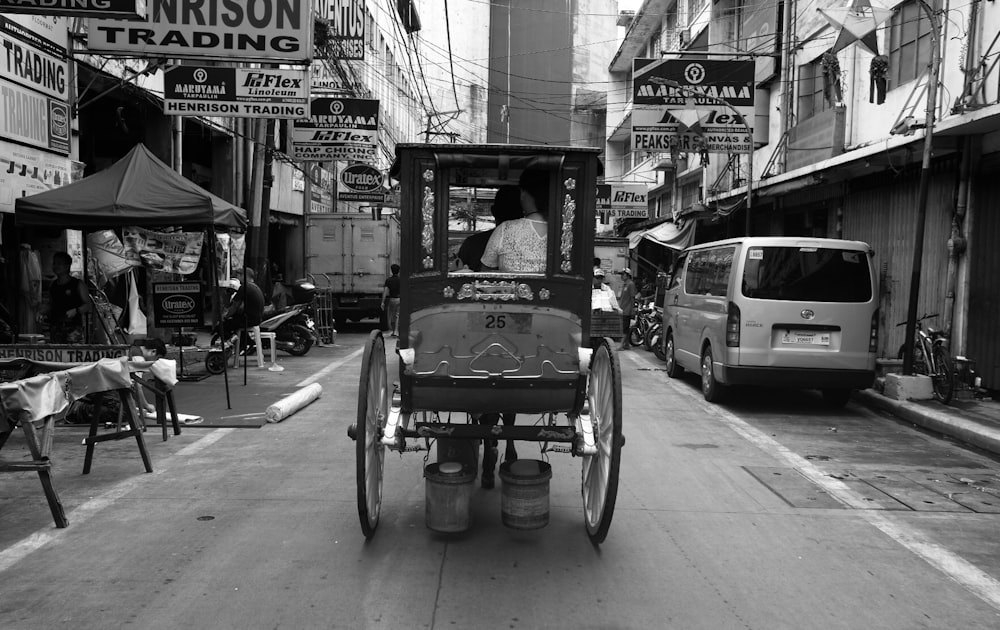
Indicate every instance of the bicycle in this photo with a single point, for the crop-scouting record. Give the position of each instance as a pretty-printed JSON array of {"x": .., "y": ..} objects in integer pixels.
[
  {"x": 644, "y": 315},
  {"x": 931, "y": 358}
]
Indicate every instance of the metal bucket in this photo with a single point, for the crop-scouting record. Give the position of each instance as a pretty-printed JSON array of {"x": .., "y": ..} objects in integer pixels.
[
  {"x": 524, "y": 501},
  {"x": 448, "y": 491}
]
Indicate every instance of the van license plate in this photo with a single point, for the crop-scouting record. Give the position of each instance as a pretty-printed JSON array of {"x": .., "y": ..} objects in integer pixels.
[
  {"x": 500, "y": 322},
  {"x": 806, "y": 338}
]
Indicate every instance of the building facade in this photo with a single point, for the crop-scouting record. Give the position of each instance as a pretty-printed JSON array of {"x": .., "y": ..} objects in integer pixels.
[{"x": 840, "y": 142}]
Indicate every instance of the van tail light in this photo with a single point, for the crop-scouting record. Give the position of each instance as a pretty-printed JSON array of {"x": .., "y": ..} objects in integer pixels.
[
  {"x": 733, "y": 326},
  {"x": 873, "y": 333}
]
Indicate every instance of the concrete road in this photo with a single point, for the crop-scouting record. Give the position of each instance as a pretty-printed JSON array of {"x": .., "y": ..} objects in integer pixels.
[{"x": 769, "y": 512}]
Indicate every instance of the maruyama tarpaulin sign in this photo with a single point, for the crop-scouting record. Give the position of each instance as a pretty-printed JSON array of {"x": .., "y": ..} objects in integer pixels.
[
  {"x": 117, "y": 9},
  {"x": 247, "y": 30},
  {"x": 693, "y": 105},
  {"x": 236, "y": 92},
  {"x": 623, "y": 200},
  {"x": 338, "y": 129}
]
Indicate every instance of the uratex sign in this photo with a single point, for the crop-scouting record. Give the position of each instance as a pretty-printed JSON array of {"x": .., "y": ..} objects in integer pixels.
[
  {"x": 248, "y": 30},
  {"x": 124, "y": 9},
  {"x": 360, "y": 182},
  {"x": 237, "y": 92}
]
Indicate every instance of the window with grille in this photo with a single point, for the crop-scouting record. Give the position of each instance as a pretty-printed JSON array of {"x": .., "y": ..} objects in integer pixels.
[{"x": 910, "y": 42}]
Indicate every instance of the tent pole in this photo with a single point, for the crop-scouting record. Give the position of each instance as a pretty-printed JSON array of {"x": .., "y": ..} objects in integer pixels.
[
  {"x": 216, "y": 307},
  {"x": 246, "y": 332}
]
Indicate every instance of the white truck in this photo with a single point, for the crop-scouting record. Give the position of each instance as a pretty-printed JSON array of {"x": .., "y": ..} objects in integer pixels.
[
  {"x": 349, "y": 255},
  {"x": 613, "y": 252}
]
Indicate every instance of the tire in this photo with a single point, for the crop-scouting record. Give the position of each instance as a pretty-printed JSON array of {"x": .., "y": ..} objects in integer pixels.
[
  {"x": 711, "y": 389},
  {"x": 303, "y": 340},
  {"x": 944, "y": 375},
  {"x": 656, "y": 341},
  {"x": 600, "y": 471},
  {"x": 669, "y": 351},
  {"x": 373, "y": 411},
  {"x": 635, "y": 335},
  {"x": 836, "y": 397},
  {"x": 647, "y": 338},
  {"x": 215, "y": 362}
]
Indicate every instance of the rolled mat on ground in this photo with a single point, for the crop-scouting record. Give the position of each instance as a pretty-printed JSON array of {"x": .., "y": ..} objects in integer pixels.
[{"x": 293, "y": 402}]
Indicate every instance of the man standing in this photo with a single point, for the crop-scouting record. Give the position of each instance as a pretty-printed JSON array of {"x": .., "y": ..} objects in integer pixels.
[
  {"x": 626, "y": 300},
  {"x": 390, "y": 295},
  {"x": 68, "y": 301}
]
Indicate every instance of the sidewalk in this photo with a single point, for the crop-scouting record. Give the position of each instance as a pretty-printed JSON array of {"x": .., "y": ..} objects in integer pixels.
[{"x": 975, "y": 422}]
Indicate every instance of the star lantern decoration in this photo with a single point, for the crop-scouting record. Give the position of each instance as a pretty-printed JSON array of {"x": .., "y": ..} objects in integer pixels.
[{"x": 857, "y": 23}]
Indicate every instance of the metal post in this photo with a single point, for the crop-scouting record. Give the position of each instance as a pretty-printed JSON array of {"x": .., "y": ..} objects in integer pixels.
[{"x": 925, "y": 180}]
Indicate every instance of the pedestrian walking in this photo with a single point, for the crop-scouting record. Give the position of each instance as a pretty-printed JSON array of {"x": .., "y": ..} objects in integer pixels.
[
  {"x": 626, "y": 300},
  {"x": 390, "y": 298}
]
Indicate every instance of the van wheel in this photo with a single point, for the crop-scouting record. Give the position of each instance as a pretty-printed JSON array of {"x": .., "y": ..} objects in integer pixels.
[
  {"x": 711, "y": 389},
  {"x": 836, "y": 398},
  {"x": 673, "y": 370}
]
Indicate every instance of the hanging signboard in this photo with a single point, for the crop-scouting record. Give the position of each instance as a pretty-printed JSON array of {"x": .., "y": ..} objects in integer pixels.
[
  {"x": 32, "y": 60},
  {"x": 178, "y": 304},
  {"x": 262, "y": 30},
  {"x": 25, "y": 171},
  {"x": 173, "y": 252},
  {"x": 338, "y": 129},
  {"x": 360, "y": 182},
  {"x": 110, "y": 9},
  {"x": 693, "y": 105},
  {"x": 347, "y": 29},
  {"x": 34, "y": 119},
  {"x": 236, "y": 92},
  {"x": 623, "y": 201}
]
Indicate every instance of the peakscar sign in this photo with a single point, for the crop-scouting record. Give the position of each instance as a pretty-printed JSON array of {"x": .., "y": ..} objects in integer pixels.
[{"x": 236, "y": 92}]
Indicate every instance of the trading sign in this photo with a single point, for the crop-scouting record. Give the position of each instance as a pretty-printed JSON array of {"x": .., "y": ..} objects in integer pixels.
[
  {"x": 123, "y": 9},
  {"x": 244, "y": 30},
  {"x": 236, "y": 92},
  {"x": 623, "y": 201},
  {"x": 178, "y": 304}
]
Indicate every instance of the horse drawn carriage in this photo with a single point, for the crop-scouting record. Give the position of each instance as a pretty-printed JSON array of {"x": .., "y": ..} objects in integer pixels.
[{"x": 479, "y": 344}]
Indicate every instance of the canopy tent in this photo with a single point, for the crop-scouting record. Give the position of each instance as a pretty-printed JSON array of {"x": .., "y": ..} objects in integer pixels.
[
  {"x": 666, "y": 234},
  {"x": 138, "y": 189}
]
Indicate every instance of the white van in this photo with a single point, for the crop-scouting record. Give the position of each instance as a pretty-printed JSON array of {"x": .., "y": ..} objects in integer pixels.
[{"x": 774, "y": 311}]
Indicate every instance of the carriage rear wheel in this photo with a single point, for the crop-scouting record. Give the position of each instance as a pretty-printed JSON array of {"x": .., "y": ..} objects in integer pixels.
[
  {"x": 373, "y": 409},
  {"x": 600, "y": 471}
]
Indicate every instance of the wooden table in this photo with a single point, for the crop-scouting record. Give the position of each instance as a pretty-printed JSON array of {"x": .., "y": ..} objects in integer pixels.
[{"x": 33, "y": 403}]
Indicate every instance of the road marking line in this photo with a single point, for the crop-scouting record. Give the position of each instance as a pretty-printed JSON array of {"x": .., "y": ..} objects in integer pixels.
[
  {"x": 968, "y": 575},
  {"x": 333, "y": 366},
  {"x": 35, "y": 541}
]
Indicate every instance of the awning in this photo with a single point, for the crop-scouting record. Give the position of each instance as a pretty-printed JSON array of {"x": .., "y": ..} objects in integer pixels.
[{"x": 666, "y": 234}]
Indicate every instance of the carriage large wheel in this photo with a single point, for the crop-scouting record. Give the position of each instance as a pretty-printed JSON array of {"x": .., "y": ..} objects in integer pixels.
[
  {"x": 373, "y": 409},
  {"x": 600, "y": 471}
]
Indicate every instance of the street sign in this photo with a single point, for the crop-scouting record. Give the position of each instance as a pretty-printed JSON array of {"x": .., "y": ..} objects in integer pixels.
[
  {"x": 236, "y": 92},
  {"x": 337, "y": 129},
  {"x": 622, "y": 201},
  {"x": 178, "y": 304},
  {"x": 361, "y": 182}
]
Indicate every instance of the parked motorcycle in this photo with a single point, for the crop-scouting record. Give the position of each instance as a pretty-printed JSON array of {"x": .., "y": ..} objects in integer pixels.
[
  {"x": 293, "y": 326},
  {"x": 643, "y": 322},
  {"x": 654, "y": 336}
]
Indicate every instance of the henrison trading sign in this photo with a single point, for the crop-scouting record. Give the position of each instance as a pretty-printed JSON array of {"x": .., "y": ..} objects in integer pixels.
[
  {"x": 339, "y": 129},
  {"x": 248, "y": 30},
  {"x": 237, "y": 92}
]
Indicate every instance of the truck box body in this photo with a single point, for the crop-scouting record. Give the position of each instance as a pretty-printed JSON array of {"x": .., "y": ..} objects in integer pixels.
[
  {"x": 613, "y": 252},
  {"x": 350, "y": 255}
]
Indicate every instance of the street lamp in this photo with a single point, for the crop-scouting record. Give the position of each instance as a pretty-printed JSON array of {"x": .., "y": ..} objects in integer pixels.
[
  {"x": 683, "y": 88},
  {"x": 925, "y": 178}
]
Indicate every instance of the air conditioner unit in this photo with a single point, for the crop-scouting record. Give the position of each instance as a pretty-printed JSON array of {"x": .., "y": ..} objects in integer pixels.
[{"x": 684, "y": 36}]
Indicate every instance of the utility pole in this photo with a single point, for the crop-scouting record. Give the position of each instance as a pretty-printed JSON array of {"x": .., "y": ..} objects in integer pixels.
[{"x": 925, "y": 180}]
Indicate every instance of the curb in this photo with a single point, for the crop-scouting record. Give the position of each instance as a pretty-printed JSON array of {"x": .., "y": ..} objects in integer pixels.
[{"x": 968, "y": 431}]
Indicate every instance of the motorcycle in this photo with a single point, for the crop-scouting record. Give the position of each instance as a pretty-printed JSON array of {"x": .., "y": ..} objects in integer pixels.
[
  {"x": 654, "y": 337},
  {"x": 293, "y": 326}
]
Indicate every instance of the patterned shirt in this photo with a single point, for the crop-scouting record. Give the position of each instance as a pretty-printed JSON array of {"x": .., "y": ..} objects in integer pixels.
[{"x": 517, "y": 246}]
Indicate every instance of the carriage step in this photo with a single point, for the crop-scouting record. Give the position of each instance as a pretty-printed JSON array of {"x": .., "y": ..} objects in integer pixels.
[
  {"x": 414, "y": 448},
  {"x": 559, "y": 449}
]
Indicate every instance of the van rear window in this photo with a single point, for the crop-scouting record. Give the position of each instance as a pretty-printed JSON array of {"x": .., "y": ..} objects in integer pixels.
[{"x": 807, "y": 274}]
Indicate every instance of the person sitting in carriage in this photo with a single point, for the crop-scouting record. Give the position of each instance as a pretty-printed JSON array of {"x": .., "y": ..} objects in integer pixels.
[{"x": 520, "y": 245}]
